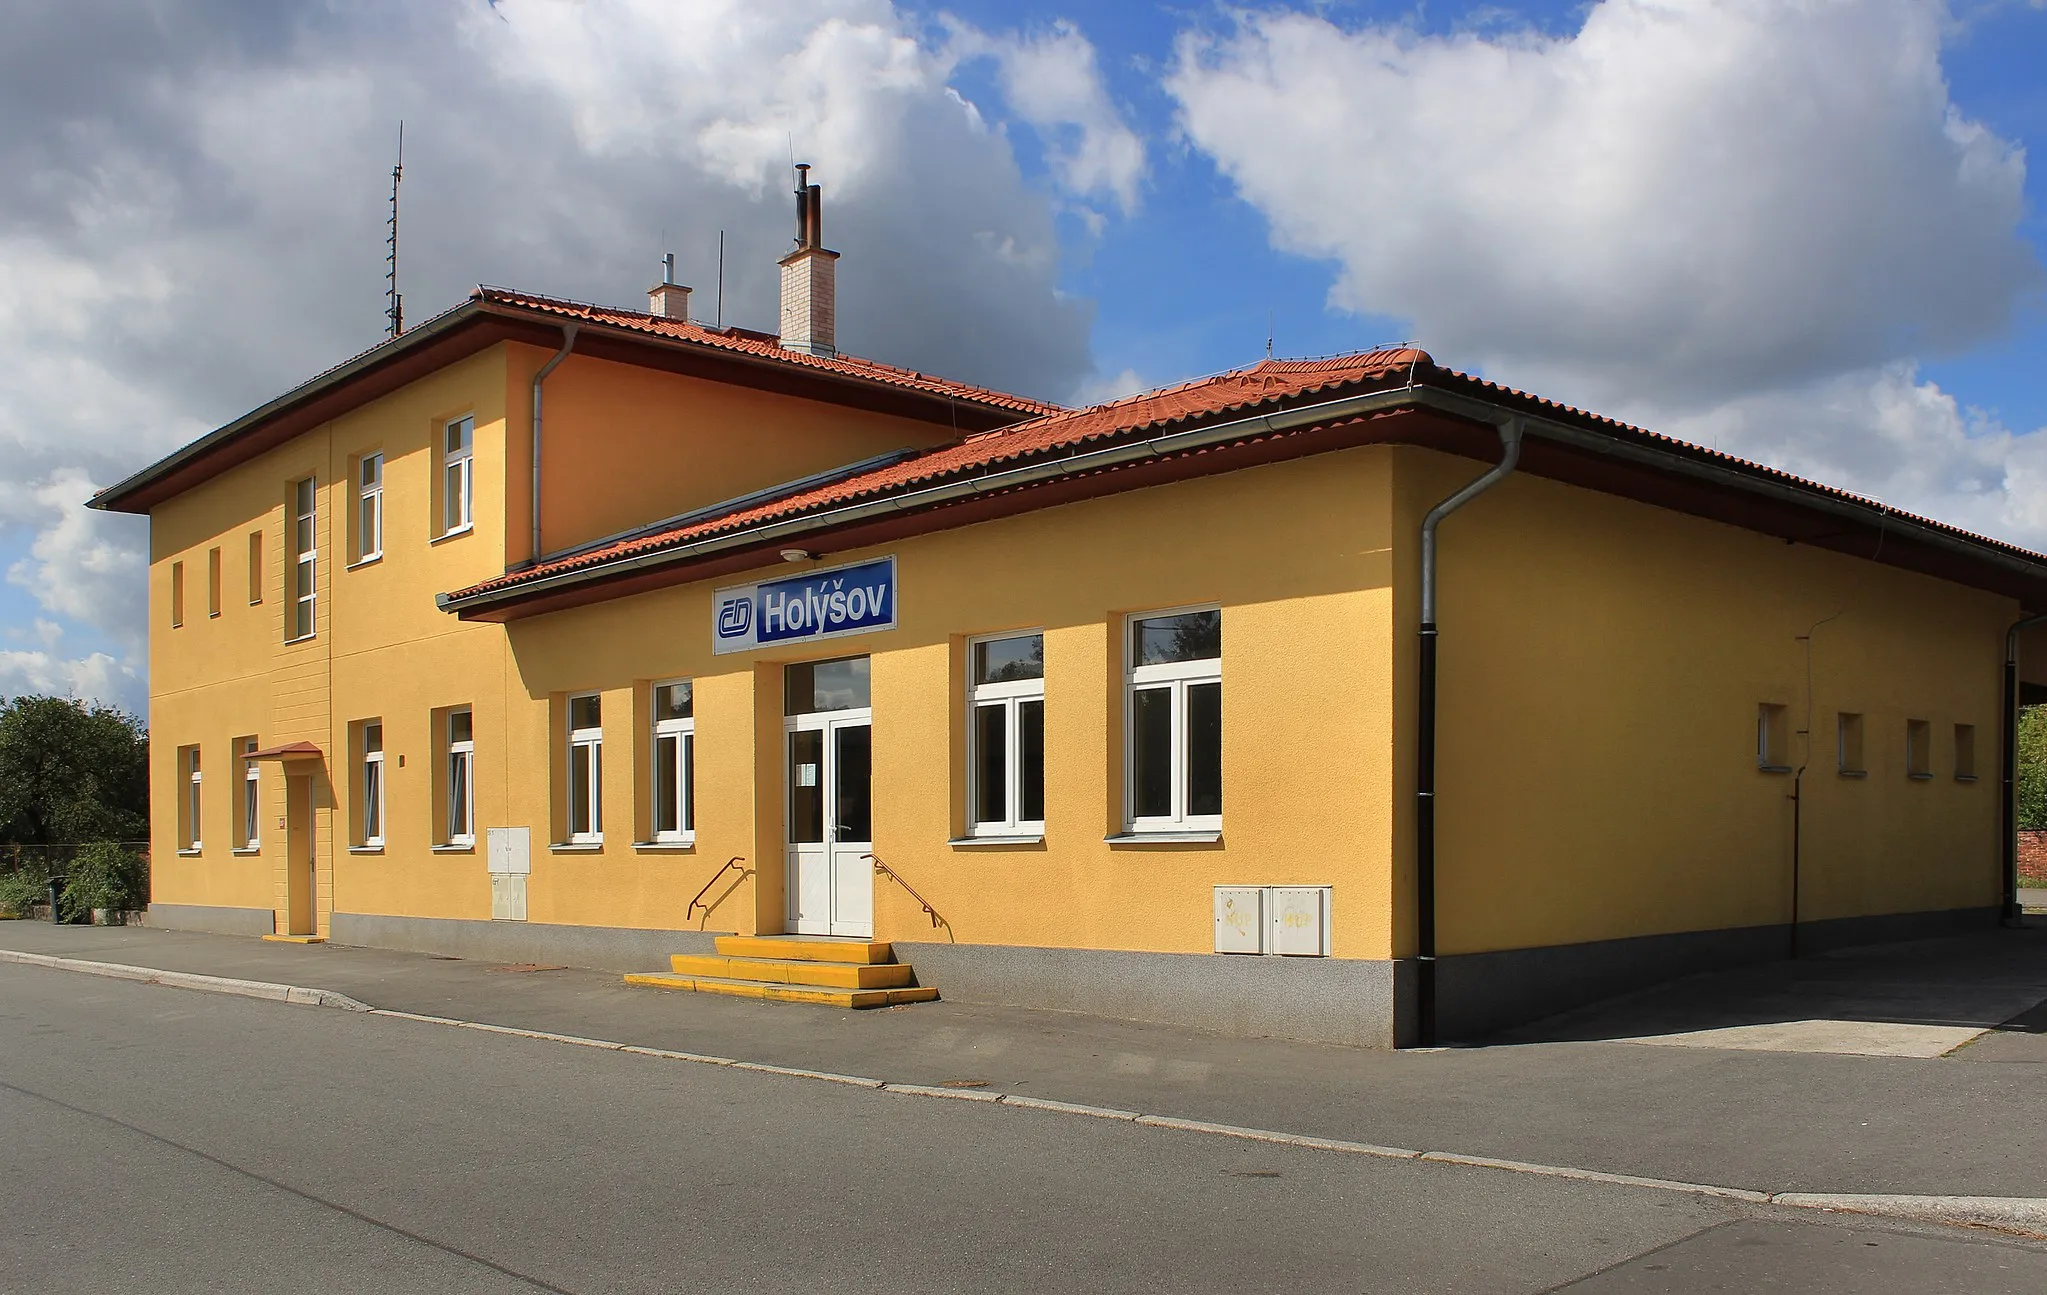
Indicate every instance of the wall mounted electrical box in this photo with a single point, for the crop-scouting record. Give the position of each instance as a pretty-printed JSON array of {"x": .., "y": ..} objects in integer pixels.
[
  {"x": 1240, "y": 919},
  {"x": 508, "y": 854},
  {"x": 1287, "y": 921}
]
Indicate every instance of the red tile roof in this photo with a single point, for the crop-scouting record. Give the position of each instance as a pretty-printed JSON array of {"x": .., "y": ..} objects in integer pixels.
[
  {"x": 765, "y": 347},
  {"x": 1273, "y": 382}
]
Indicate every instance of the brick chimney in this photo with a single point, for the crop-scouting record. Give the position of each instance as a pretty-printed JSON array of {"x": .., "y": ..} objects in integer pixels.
[
  {"x": 668, "y": 299},
  {"x": 810, "y": 295}
]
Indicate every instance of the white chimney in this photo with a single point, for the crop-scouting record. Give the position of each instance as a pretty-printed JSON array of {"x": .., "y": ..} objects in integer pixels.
[
  {"x": 668, "y": 299},
  {"x": 810, "y": 293}
]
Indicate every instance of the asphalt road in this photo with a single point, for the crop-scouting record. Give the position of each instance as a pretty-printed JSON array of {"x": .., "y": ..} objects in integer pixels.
[{"x": 163, "y": 1140}]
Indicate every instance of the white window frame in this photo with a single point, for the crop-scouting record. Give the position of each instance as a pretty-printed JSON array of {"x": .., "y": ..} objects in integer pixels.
[
  {"x": 1176, "y": 677},
  {"x": 461, "y": 774},
  {"x": 304, "y": 606},
  {"x": 1010, "y": 696},
  {"x": 585, "y": 744},
  {"x": 252, "y": 799},
  {"x": 369, "y": 507},
  {"x": 458, "y": 475},
  {"x": 372, "y": 785},
  {"x": 682, "y": 732},
  {"x": 194, "y": 799}
]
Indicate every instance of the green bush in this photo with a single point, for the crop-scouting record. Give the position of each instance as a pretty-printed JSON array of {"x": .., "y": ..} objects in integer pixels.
[
  {"x": 103, "y": 875},
  {"x": 20, "y": 888}
]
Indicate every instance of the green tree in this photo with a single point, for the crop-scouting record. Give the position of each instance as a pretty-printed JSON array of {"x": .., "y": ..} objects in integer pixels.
[
  {"x": 71, "y": 771},
  {"x": 2032, "y": 770}
]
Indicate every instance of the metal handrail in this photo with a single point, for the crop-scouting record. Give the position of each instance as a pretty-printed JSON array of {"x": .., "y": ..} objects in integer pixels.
[
  {"x": 893, "y": 875},
  {"x": 693, "y": 904}
]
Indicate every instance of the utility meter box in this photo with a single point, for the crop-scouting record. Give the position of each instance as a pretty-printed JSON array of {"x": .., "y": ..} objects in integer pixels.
[
  {"x": 508, "y": 897},
  {"x": 509, "y": 850},
  {"x": 1297, "y": 921},
  {"x": 1240, "y": 919}
]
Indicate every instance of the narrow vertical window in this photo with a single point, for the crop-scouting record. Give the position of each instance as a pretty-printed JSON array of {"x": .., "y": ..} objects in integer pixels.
[
  {"x": 301, "y": 615},
  {"x": 586, "y": 769},
  {"x": 192, "y": 806},
  {"x": 1848, "y": 743},
  {"x": 369, "y": 508},
  {"x": 1006, "y": 736},
  {"x": 1773, "y": 738},
  {"x": 675, "y": 735},
  {"x": 255, "y": 567},
  {"x": 1918, "y": 748},
  {"x": 1965, "y": 752},
  {"x": 372, "y": 788},
  {"x": 1173, "y": 723},
  {"x": 177, "y": 594},
  {"x": 213, "y": 581},
  {"x": 461, "y": 775},
  {"x": 252, "y": 794},
  {"x": 458, "y": 474}
]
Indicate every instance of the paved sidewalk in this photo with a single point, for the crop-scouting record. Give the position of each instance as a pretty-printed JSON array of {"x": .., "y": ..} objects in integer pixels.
[{"x": 1964, "y": 1124}]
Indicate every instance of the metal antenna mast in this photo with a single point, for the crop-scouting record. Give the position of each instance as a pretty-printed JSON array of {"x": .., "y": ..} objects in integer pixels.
[{"x": 394, "y": 310}]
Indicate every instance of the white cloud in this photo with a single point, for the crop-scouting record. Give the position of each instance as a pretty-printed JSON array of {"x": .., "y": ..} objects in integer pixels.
[
  {"x": 1053, "y": 80},
  {"x": 193, "y": 219},
  {"x": 1682, "y": 199}
]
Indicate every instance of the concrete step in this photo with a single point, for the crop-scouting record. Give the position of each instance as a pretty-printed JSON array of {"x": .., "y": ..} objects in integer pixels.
[
  {"x": 779, "y": 993},
  {"x": 296, "y": 939},
  {"x": 787, "y": 971},
  {"x": 803, "y": 948}
]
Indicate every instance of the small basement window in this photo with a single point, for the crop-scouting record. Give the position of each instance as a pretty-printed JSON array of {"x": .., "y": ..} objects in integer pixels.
[
  {"x": 1918, "y": 748},
  {"x": 1965, "y": 753},
  {"x": 1848, "y": 742},
  {"x": 1773, "y": 738}
]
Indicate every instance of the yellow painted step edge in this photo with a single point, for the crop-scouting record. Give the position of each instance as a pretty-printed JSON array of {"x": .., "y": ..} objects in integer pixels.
[
  {"x": 296, "y": 939},
  {"x": 835, "y": 975},
  {"x": 784, "y": 949},
  {"x": 852, "y": 998}
]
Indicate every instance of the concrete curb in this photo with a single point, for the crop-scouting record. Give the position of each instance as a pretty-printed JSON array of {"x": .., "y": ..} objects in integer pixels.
[
  {"x": 2024, "y": 1215},
  {"x": 192, "y": 980}
]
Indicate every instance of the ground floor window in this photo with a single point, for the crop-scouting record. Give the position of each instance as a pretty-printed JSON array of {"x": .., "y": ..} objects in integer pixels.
[
  {"x": 674, "y": 816},
  {"x": 1006, "y": 735},
  {"x": 1173, "y": 722},
  {"x": 371, "y": 784},
  {"x": 460, "y": 772},
  {"x": 586, "y": 769},
  {"x": 191, "y": 802},
  {"x": 252, "y": 794}
]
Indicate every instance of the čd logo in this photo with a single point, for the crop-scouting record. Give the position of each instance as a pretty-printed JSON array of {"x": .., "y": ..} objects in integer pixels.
[{"x": 735, "y": 617}]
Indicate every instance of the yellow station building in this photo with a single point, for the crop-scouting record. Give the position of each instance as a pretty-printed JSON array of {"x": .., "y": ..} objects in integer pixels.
[{"x": 558, "y": 632}]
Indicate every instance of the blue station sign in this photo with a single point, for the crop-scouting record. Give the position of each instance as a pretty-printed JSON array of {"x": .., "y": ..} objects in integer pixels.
[{"x": 804, "y": 608}]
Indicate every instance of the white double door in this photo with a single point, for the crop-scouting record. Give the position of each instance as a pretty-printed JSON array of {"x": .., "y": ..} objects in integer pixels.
[{"x": 830, "y": 816}]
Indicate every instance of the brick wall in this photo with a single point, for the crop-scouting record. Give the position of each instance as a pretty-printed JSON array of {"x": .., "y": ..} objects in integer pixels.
[{"x": 2033, "y": 858}]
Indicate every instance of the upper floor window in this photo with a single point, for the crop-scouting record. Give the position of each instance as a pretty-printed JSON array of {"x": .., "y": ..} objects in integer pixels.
[
  {"x": 372, "y": 783},
  {"x": 177, "y": 594},
  {"x": 300, "y": 613},
  {"x": 675, "y": 751},
  {"x": 252, "y": 794},
  {"x": 255, "y": 567},
  {"x": 458, "y": 474},
  {"x": 369, "y": 508},
  {"x": 213, "y": 581},
  {"x": 586, "y": 769},
  {"x": 1173, "y": 722},
  {"x": 461, "y": 776},
  {"x": 1006, "y": 735}
]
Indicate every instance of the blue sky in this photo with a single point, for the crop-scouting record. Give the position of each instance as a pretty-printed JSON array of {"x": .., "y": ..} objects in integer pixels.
[{"x": 1809, "y": 233}]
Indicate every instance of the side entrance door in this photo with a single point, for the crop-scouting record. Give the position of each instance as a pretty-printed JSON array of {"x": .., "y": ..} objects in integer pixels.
[{"x": 831, "y": 823}]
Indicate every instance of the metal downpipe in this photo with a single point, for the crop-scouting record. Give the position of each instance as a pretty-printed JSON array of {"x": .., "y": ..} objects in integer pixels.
[
  {"x": 568, "y": 344},
  {"x": 1425, "y": 738},
  {"x": 2009, "y": 760}
]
